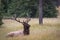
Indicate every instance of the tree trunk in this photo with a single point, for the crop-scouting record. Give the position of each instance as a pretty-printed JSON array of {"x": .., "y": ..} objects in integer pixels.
[
  {"x": 58, "y": 8},
  {"x": 0, "y": 14},
  {"x": 40, "y": 12},
  {"x": 1, "y": 20}
]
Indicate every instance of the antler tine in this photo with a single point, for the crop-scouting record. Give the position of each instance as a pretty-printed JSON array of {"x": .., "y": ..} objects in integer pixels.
[
  {"x": 18, "y": 20},
  {"x": 28, "y": 19},
  {"x": 15, "y": 18},
  {"x": 23, "y": 19}
]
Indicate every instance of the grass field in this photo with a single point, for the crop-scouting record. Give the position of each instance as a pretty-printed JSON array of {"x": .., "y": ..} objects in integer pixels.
[{"x": 50, "y": 30}]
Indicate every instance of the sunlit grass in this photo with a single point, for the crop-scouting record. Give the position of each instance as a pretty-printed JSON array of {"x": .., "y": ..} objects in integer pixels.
[{"x": 50, "y": 30}]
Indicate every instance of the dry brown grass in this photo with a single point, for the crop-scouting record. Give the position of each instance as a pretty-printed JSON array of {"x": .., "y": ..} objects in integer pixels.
[{"x": 50, "y": 30}]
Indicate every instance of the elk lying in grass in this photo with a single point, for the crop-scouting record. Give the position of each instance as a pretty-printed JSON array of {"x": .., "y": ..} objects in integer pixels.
[
  {"x": 25, "y": 30},
  {"x": 25, "y": 25},
  {"x": 14, "y": 33}
]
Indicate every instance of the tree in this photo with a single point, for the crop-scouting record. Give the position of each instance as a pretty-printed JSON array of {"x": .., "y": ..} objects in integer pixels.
[
  {"x": 22, "y": 8},
  {"x": 1, "y": 20},
  {"x": 49, "y": 8},
  {"x": 58, "y": 3},
  {"x": 40, "y": 12},
  {"x": 1, "y": 13}
]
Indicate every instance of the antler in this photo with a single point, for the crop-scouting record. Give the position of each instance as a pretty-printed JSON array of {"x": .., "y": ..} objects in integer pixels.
[
  {"x": 18, "y": 21},
  {"x": 15, "y": 18},
  {"x": 27, "y": 20}
]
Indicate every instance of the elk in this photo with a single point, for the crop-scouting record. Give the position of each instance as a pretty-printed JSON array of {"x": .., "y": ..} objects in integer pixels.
[
  {"x": 25, "y": 31},
  {"x": 26, "y": 26}
]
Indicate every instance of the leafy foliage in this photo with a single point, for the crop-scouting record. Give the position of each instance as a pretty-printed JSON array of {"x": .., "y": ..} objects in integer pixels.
[
  {"x": 24, "y": 8},
  {"x": 49, "y": 9}
]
